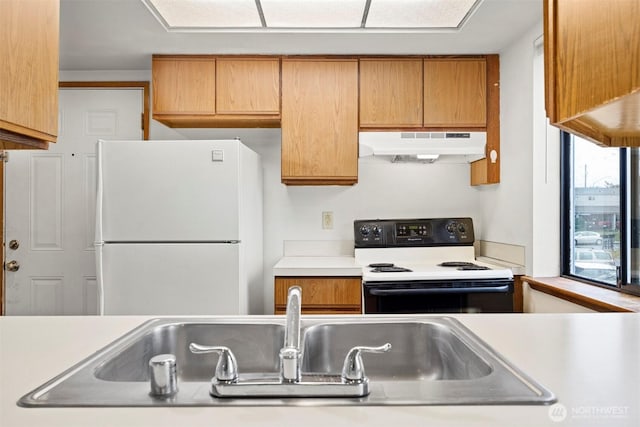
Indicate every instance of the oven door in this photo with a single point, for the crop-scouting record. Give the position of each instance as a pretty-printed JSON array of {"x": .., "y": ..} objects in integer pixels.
[{"x": 434, "y": 296}]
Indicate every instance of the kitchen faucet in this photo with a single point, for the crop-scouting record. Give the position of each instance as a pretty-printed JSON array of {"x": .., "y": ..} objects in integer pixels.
[
  {"x": 351, "y": 382},
  {"x": 291, "y": 354}
]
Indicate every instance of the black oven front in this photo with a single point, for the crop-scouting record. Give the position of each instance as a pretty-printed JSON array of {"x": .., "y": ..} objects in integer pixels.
[{"x": 439, "y": 296}]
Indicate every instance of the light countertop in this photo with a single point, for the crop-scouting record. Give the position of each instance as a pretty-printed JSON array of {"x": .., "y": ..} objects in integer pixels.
[
  {"x": 517, "y": 269},
  {"x": 590, "y": 361},
  {"x": 335, "y": 258},
  {"x": 347, "y": 266},
  {"x": 317, "y": 266}
]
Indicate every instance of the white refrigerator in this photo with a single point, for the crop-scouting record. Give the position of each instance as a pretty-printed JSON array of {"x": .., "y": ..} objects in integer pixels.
[{"x": 178, "y": 228}]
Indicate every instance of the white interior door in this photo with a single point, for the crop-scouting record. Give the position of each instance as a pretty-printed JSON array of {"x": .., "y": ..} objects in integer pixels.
[{"x": 50, "y": 204}]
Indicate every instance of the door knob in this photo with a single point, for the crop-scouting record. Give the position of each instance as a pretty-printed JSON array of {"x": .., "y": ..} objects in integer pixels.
[
  {"x": 14, "y": 244},
  {"x": 12, "y": 265}
]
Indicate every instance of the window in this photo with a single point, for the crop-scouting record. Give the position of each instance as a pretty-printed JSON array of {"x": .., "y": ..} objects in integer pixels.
[{"x": 601, "y": 214}]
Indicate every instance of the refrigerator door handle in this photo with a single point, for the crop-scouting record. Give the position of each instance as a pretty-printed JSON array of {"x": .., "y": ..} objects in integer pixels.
[
  {"x": 99, "y": 192},
  {"x": 99, "y": 240},
  {"x": 100, "y": 277},
  {"x": 169, "y": 242}
]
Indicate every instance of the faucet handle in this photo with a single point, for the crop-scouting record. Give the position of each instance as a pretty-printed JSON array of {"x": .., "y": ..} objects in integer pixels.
[
  {"x": 353, "y": 368},
  {"x": 227, "y": 366}
]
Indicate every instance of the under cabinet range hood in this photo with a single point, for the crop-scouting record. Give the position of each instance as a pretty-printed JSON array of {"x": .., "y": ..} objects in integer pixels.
[{"x": 452, "y": 147}]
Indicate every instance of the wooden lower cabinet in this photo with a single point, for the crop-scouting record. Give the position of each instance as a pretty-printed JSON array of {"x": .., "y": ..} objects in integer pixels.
[
  {"x": 321, "y": 295},
  {"x": 518, "y": 297}
]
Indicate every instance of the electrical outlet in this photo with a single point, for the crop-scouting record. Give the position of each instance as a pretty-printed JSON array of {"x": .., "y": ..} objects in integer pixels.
[{"x": 327, "y": 220}]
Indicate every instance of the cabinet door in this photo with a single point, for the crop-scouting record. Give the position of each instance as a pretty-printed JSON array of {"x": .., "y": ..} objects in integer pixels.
[
  {"x": 319, "y": 121},
  {"x": 455, "y": 93},
  {"x": 390, "y": 93},
  {"x": 592, "y": 78},
  {"x": 29, "y": 74},
  {"x": 321, "y": 295},
  {"x": 248, "y": 86},
  {"x": 184, "y": 85}
]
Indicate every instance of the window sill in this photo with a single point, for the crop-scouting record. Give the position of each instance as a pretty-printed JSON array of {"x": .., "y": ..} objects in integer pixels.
[{"x": 590, "y": 296}]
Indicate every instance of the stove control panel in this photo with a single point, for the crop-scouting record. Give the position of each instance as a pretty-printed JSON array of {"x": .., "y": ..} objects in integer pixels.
[{"x": 381, "y": 233}]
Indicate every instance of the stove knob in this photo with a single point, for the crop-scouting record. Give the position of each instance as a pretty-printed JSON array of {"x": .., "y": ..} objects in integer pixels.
[
  {"x": 461, "y": 228},
  {"x": 364, "y": 230},
  {"x": 376, "y": 230},
  {"x": 451, "y": 227}
]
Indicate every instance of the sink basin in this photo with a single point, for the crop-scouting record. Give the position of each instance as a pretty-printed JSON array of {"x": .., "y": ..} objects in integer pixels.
[
  {"x": 434, "y": 360},
  {"x": 256, "y": 348},
  {"x": 421, "y": 351},
  {"x": 118, "y": 374}
]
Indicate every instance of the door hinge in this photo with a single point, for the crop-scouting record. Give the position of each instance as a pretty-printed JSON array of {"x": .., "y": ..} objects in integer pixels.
[
  {"x": 142, "y": 121},
  {"x": 4, "y": 156}
]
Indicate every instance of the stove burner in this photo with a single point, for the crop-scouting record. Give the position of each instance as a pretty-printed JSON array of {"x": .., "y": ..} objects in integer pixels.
[
  {"x": 463, "y": 265},
  {"x": 456, "y": 264},
  {"x": 381, "y": 264},
  {"x": 390, "y": 269},
  {"x": 473, "y": 267}
]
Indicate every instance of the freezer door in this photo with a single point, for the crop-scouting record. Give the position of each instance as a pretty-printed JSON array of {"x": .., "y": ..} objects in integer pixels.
[
  {"x": 168, "y": 191},
  {"x": 172, "y": 279}
]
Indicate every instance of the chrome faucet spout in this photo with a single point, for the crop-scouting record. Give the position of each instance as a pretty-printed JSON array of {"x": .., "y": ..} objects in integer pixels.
[
  {"x": 292, "y": 329},
  {"x": 290, "y": 354}
]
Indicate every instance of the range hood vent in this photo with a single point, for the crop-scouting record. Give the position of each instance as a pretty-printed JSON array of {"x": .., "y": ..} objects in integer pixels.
[{"x": 450, "y": 146}]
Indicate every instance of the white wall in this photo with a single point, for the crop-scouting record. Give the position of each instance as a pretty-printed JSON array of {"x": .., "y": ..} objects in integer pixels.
[
  {"x": 545, "y": 207},
  {"x": 523, "y": 208},
  {"x": 539, "y": 302}
]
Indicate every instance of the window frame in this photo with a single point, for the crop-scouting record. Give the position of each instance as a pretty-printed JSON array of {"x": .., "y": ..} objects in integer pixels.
[{"x": 623, "y": 283}]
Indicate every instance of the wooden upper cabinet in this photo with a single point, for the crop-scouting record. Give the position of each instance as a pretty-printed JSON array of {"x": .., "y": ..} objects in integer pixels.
[
  {"x": 391, "y": 93},
  {"x": 321, "y": 103},
  {"x": 213, "y": 91},
  {"x": 319, "y": 121},
  {"x": 487, "y": 170},
  {"x": 29, "y": 74},
  {"x": 248, "y": 86},
  {"x": 592, "y": 72},
  {"x": 184, "y": 85},
  {"x": 455, "y": 93}
]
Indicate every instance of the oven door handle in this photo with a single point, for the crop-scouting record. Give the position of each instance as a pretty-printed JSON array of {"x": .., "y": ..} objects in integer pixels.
[{"x": 424, "y": 291}]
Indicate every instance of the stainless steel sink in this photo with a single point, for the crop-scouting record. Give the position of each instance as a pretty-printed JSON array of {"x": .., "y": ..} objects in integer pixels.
[
  {"x": 256, "y": 347},
  {"x": 434, "y": 360},
  {"x": 421, "y": 351}
]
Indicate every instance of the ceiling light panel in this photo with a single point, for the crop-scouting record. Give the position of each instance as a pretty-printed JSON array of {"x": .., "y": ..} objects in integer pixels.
[
  {"x": 206, "y": 13},
  {"x": 313, "y": 13},
  {"x": 418, "y": 13}
]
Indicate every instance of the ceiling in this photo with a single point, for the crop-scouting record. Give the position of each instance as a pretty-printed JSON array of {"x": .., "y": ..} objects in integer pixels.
[{"x": 122, "y": 35}]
